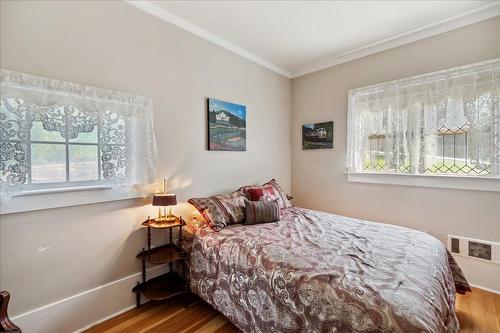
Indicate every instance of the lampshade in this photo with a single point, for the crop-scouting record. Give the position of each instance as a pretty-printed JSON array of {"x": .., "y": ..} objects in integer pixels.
[{"x": 164, "y": 200}]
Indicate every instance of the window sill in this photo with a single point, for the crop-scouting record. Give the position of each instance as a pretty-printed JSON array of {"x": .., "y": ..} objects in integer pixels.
[
  {"x": 62, "y": 197},
  {"x": 63, "y": 190},
  {"x": 441, "y": 181}
]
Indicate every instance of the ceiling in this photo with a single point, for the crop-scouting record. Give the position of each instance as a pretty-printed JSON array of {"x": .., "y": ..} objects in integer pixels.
[{"x": 297, "y": 37}]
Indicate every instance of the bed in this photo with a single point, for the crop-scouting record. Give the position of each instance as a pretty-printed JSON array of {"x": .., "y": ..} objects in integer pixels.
[{"x": 318, "y": 272}]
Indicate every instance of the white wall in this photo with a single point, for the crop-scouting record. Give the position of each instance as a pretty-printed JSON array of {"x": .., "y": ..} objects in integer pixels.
[
  {"x": 49, "y": 255},
  {"x": 318, "y": 179}
]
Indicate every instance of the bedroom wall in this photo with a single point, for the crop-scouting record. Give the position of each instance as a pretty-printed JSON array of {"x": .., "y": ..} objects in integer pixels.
[
  {"x": 54, "y": 255},
  {"x": 318, "y": 179}
]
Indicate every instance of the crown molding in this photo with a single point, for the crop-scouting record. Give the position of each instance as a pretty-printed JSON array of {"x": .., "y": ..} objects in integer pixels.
[
  {"x": 470, "y": 17},
  {"x": 169, "y": 17}
]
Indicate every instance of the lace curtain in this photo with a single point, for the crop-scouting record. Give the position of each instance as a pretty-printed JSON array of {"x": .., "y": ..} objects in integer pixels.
[
  {"x": 121, "y": 123},
  {"x": 447, "y": 122}
]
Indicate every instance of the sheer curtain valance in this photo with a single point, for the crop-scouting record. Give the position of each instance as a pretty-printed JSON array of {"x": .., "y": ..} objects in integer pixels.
[
  {"x": 442, "y": 123},
  {"x": 60, "y": 134}
]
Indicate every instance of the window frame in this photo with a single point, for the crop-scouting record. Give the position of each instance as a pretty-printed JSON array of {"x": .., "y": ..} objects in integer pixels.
[
  {"x": 32, "y": 200},
  {"x": 440, "y": 180},
  {"x": 126, "y": 152},
  {"x": 478, "y": 183},
  {"x": 43, "y": 187},
  {"x": 47, "y": 195},
  {"x": 30, "y": 186}
]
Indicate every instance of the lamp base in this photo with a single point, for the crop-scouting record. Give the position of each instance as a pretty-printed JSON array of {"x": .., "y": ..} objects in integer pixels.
[{"x": 166, "y": 219}]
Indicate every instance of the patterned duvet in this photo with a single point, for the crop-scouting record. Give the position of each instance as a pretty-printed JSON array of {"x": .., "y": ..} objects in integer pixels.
[{"x": 319, "y": 272}]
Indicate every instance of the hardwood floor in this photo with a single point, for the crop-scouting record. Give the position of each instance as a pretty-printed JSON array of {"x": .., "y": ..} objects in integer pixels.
[
  {"x": 171, "y": 316},
  {"x": 478, "y": 312}
]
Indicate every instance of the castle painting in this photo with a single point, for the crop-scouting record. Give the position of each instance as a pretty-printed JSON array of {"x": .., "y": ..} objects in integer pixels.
[{"x": 226, "y": 126}]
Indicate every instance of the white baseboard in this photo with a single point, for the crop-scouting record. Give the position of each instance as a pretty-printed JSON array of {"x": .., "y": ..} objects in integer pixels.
[
  {"x": 81, "y": 311},
  {"x": 487, "y": 289}
]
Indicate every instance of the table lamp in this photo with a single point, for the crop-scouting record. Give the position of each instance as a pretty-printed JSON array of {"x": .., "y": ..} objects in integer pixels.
[{"x": 163, "y": 200}]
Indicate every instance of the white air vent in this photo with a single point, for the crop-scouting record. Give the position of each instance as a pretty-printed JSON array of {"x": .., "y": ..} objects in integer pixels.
[{"x": 474, "y": 248}]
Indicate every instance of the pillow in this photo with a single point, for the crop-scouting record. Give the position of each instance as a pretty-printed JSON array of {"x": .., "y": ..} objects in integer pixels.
[
  {"x": 265, "y": 193},
  {"x": 278, "y": 195},
  {"x": 221, "y": 210},
  {"x": 261, "y": 211}
]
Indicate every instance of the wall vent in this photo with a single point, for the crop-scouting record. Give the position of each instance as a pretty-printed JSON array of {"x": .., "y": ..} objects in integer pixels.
[{"x": 474, "y": 248}]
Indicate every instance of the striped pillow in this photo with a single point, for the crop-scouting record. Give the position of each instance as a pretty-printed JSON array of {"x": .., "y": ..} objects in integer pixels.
[{"x": 261, "y": 211}]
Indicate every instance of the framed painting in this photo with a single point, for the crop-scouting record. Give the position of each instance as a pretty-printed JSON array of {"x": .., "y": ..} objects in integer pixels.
[
  {"x": 317, "y": 136},
  {"x": 226, "y": 125}
]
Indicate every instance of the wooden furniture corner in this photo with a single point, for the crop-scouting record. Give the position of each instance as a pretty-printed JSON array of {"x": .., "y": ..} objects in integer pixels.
[{"x": 5, "y": 324}]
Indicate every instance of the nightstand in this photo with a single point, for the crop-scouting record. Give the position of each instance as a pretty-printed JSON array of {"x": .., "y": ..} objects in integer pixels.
[{"x": 172, "y": 283}]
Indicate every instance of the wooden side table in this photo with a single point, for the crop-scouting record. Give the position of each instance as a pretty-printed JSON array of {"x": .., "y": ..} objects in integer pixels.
[{"x": 172, "y": 283}]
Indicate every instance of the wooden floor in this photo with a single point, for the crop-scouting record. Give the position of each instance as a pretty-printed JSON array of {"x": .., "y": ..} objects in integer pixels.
[
  {"x": 168, "y": 317},
  {"x": 478, "y": 312}
]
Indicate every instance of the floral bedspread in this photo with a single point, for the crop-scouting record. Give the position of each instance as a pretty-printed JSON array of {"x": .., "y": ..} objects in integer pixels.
[{"x": 319, "y": 272}]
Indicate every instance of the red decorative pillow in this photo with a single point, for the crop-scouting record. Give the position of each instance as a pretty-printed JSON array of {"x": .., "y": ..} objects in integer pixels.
[
  {"x": 276, "y": 193},
  {"x": 265, "y": 193}
]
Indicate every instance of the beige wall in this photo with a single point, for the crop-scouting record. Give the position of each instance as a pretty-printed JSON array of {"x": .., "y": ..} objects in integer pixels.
[
  {"x": 318, "y": 179},
  {"x": 52, "y": 254}
]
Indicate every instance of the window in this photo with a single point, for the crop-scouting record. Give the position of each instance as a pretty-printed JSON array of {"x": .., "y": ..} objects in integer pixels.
[
  {"x": 440, "y": 124},
  {"x": 62, "y": 144},
  {"x": 56, "y": 134}
]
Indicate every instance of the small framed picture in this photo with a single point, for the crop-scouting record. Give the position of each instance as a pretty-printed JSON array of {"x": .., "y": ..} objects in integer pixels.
[{"x": 317, "y": 136}]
